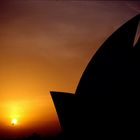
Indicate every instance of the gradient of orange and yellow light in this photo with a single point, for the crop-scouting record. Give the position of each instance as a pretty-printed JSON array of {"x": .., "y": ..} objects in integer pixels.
[{"x": 24, "y": 95}]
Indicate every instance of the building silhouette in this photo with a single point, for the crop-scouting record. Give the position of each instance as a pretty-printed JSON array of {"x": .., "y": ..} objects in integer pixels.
[{"x": 106, "y": 101}]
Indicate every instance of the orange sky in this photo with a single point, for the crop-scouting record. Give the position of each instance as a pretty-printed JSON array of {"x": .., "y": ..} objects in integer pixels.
[{"x": 46, "y": 46}]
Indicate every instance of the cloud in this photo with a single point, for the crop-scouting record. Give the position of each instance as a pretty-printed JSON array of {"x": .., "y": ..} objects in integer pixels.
[{"x": 134, "y": 6}]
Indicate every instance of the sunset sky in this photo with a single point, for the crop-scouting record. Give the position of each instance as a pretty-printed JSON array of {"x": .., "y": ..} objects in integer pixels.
[{"x": 45, "y": 46}]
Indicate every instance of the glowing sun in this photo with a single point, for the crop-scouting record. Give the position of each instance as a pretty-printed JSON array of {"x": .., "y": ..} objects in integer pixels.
[{"x": 14, "y": 121}]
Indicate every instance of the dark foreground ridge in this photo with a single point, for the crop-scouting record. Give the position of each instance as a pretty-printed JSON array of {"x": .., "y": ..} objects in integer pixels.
[
  {"x": 36, "y": 136},
  {"x": 106, "y": 102}
]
